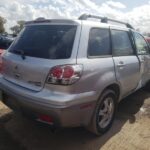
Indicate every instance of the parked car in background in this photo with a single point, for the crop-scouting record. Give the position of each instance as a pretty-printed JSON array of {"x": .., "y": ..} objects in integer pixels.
[
  {"x": 72, "y": 73},
  {"x": 5, "y": 41}
]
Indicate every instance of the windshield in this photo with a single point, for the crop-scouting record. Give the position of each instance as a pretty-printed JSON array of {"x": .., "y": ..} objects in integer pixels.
[{"x": 45, "y": 41}]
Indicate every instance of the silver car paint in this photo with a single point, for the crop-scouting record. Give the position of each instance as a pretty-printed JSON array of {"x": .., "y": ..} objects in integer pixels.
[{"x": 71, "y": 105}]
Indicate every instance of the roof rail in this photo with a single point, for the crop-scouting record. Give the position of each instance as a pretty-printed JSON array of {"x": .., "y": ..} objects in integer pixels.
[{"x": 103, "y": 19}]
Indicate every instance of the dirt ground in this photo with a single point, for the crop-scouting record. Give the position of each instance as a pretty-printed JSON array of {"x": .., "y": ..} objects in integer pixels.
[{"x": 130, "y": 131}]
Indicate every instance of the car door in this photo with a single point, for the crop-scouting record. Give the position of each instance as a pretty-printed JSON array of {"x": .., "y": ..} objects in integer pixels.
[
  {"x": 144, "y": 57},
  {"x": 126, "y": 62}
]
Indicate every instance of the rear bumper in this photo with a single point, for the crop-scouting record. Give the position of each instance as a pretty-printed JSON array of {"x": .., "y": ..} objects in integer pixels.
[{"x": 67, "y": 110}]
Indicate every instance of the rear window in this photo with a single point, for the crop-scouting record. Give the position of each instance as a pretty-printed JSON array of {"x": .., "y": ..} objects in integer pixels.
[{"x": 45, "y": 41}]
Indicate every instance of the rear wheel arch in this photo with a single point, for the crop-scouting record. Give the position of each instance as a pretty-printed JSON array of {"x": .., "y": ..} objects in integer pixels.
[{"x": 116, "y": 88}]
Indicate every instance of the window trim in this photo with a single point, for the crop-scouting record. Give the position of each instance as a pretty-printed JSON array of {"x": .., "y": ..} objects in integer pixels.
[
  {"x": 132, "y": 45},
  {"x": 100, "y": 56},
  {"x": 133, "y": 33}
]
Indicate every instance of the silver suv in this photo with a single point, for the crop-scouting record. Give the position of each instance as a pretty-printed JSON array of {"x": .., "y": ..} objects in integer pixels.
[{"x": 74, "y": 72}]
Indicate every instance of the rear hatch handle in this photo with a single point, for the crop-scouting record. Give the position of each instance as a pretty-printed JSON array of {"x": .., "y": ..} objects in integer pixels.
[{"x": 121, "y": 64}]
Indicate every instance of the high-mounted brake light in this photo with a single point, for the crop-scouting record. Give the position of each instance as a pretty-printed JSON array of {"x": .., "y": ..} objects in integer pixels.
[{"x": 65, "y": 74}]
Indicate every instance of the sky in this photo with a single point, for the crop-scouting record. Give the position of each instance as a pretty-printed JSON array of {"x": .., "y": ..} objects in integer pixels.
[
  {"x": 130, "y": 4},
  {"x": 135, "y": 12}
]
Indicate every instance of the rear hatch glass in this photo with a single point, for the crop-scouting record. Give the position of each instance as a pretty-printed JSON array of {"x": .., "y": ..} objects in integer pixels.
[
  {"x": 44, "y": 46},
  {"x": 45, "y": 41}
]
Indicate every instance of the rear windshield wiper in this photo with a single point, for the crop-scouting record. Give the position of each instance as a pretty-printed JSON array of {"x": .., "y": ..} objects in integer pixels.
[{"x": 21, "y": 52}]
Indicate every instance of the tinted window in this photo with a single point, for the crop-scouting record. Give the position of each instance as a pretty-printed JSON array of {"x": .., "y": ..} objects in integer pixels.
[
  {"x": 121, "y": 43},
  {"x": 45, "y": 41},
  {"x": 141, "y": 45},
  {"x": 99, "y": 42}
]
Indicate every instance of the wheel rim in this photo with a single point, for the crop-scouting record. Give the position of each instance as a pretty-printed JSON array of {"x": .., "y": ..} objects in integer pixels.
[{"x": 106, "y": 112}]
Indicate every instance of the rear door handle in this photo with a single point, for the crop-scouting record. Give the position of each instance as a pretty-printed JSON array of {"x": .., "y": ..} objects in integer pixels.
[{"x": 121, "y": 64}]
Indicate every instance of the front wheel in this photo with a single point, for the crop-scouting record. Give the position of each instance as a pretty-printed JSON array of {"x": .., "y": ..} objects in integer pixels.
[{"x": 104, "y": 113}]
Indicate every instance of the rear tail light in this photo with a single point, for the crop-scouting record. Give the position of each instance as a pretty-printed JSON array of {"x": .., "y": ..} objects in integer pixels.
[{"x": 65, "y": 74}]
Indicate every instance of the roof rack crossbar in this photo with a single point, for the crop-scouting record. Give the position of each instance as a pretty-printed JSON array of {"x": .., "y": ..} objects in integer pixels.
[{"x": 103, "y": 19}]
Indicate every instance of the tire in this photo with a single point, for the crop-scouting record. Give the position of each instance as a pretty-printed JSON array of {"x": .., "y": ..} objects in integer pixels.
[
  {"x": 104, "y": 113},
  {"x": 147, "y": 87}
]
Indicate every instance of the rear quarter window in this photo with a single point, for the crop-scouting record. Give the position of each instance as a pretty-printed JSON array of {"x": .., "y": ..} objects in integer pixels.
[{"x": 46, "y": 41}]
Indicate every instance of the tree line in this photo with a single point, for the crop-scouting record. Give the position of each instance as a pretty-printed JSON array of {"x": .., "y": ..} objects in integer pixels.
[{"x": 15, "y": 29}]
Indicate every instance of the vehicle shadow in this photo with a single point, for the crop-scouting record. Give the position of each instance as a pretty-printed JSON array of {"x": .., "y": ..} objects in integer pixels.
[{"x": 36, "y": 136}]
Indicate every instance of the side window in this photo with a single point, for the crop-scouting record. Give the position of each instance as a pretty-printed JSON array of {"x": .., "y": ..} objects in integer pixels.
[
  {"x": 121, "y": 43},
  {"x": 141, "y": 45},
  {"x": 99, "y": 42}
]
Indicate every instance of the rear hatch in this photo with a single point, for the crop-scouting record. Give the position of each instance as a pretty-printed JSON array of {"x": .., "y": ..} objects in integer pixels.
[{"x": 37, "y": 49}]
